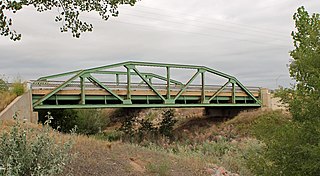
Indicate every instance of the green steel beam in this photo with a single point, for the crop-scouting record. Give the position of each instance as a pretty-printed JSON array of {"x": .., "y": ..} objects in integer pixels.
[
  {"x": 82, "y": 86},
  {"x": 128, "y": 83},
  {"x": 233, "y": 93},
  {"x": 203, "y": 95},
  {"x": 117, "y": 79},
  {"x": 94, "y": 80},
  {"x": 137, "y": 97},
  {"x": 218, "y": 91},
  {"x": 58, "y": 75},
  {"x": 148, "y": 83},
  {"x": 58, "y": 88},
  {"x": 86, "y": 106},
  {"x": 181, "y": 66},
  {"x": 186, "y": 86},
  {"x": 247, "y": 91},
  {"x": 168, "y": 83},
  {"x": 143, "y": 73}
]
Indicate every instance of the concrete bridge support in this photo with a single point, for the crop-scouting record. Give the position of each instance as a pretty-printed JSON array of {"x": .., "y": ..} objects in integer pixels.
[{"x": 22, "y": 107}]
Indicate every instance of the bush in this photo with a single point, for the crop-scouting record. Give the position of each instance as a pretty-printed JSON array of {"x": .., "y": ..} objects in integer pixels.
[
  {"x": 18, "y": 88},
  {"x": 138, "y": 130},
  {"x": 64, "y": 121},
  {"x": 87, "y": 121},
  {"x": 167, "y": 123},
  {"x": 109, "y": 136},
  {"x": 3, "y": 86},
  {"x": 24, "y": 152},
  {"x": 90, "y": 121},
  {"x": 291, "y": 149},
  {"x": 161, "y": 169}
]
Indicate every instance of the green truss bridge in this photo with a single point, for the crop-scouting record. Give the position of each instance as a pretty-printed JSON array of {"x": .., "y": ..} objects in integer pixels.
[{"x": 143, "y": 85}]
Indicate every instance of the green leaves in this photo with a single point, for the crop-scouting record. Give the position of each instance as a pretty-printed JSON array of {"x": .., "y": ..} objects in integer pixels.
[
  {"x": 305, "y": 66},
  {"x": 69, "y": 17}
]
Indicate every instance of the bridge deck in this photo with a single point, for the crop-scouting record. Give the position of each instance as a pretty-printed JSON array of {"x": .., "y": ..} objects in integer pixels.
[{"x": 140, "y": 94}]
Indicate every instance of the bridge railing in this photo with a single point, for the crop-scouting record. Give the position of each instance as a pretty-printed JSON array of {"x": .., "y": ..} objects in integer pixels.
[{"x": 75, "y": 85}]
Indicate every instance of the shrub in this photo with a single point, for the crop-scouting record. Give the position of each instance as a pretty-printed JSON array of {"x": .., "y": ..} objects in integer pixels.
[
  {"x": 64, "y": 121},
  {"x": 87, "y": 121},
  {"x": 109, "y": 136},
  {"x": 167, "y": 123},
  {"x": 25, "y": 152},
  {"x": 161, "y": 169},
  {"x": 3, "y": 86},
  {"x": 291, "y": 149},
  {"x": 18, "y": 88},
  {"x": 90, "y": 121}
]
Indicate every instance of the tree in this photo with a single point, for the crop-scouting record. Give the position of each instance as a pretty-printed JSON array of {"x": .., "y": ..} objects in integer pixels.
[
  {"x": 69, "y": 12},
  {"x": 294, "y": 148},
  {"x": 304, "y": 98}
]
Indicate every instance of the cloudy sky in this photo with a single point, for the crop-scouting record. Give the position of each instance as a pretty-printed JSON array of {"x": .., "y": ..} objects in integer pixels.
[{"x": 249, "y": 39}]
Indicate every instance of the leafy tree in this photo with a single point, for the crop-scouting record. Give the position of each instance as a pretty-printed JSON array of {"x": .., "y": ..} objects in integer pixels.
[
  {"x": 294, "y": 148},
  {"x": 167, "y": 123},
  {"x": 304, "y": 98},
  {"x": 69, "y": 13}
]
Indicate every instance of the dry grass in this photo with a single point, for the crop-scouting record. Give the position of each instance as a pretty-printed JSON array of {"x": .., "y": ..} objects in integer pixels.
[
  {"x": 242, "y": 123},
  {"x": 5, "y": 99},
  {"x": 97, "y": 157}
]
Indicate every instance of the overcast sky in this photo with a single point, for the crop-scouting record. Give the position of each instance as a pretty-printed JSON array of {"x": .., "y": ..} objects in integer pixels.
[{"x": 249, "y": 39}]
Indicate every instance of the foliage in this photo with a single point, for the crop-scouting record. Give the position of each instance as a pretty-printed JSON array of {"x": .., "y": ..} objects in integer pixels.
[
  {"x": 304, "y": 98},
  {"x": 162, "y": 168},
  {"x": 146, "y": 130},
  {"x": 3, "y": 86},
  {"x": 127, "y": 128},
  {"x": 68, "y": 16},
  {"x": 232, "y": 155},
  {"x": 292, "y": 149},
  {"x": 87, "y": 121},
  {"x": 90, "y": 121},
  {"x": 138, "y": 130},
  {"x": 8, "y": 95},
  {"x": 64, "y": 121},
  {"x": 24, "y": 152},
  {"x": 166, "y": 125},
  {"x": 109, "y": 136},
  {"x": 18, "y": 88}
]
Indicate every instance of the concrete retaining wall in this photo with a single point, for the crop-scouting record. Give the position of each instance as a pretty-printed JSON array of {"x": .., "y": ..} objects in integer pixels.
[{"x": 22, "y": 107}]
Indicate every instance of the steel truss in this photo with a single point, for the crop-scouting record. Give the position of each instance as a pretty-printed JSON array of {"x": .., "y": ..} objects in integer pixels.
[{"x": 53, "y": 98}]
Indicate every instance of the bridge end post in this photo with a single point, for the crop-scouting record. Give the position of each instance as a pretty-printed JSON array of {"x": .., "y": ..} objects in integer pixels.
[{"x": 265, "y": 97}]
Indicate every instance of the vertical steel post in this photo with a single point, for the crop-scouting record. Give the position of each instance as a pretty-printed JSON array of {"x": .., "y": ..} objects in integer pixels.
[
  {"x": 82, "y": 85},
  {"x": 128, "y": 83},
  {"x": 117, "y": 79},
  {"x": 56, "y": 98},
  {"x": 203, "y": 96},
  {"x": 168, "y": 83},
  {"x": 233, "y": 93}
]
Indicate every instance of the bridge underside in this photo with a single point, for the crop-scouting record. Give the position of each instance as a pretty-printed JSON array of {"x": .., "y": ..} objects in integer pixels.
[{"x": 84, "y": 89}]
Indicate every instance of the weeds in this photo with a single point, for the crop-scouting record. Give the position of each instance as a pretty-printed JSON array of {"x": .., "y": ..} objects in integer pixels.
[
  {"x": 7, "y": 95},
  {"x": 6, "y": 98},
  {"x": 162, "y": 168},
  {"x": 139, "y": 130},
  {"x": 18, "y": 88},
  {"x": 26, "y": 152}
]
